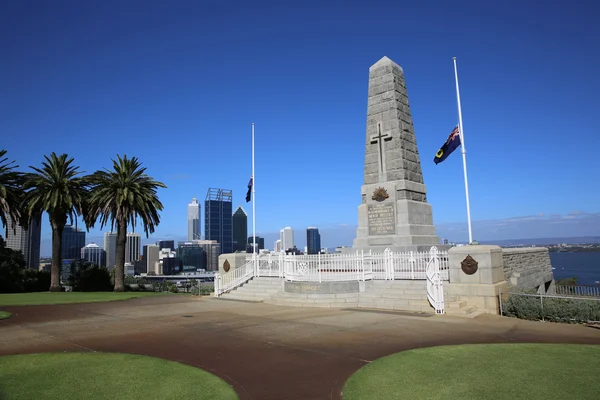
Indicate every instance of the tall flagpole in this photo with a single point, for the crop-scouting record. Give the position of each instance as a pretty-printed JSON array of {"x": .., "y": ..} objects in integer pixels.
[
  {"x": 463, "y": 151},
  {"x": 253, "y": 205}
]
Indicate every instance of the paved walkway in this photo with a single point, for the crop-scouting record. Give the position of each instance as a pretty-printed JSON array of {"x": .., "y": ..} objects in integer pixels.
[{"x": 264, "y": 351}]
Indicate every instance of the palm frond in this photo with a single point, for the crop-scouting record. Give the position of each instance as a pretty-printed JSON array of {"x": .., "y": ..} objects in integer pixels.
[{"x": 11, "y": 193}]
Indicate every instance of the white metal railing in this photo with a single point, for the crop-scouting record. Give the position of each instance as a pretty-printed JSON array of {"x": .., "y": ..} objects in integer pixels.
[
  {"x": 578, "y": 290},
  {"x": 327, "y": 268},
  {"x": 270, "y": 265},
  {"x": 232, "y": 279},
  {"x": 359, "y": 266},
  {"x": 435, "y": 287}
]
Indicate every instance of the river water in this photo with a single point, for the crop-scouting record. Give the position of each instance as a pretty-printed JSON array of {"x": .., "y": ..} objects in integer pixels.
[{"x": 585, "y": 266}]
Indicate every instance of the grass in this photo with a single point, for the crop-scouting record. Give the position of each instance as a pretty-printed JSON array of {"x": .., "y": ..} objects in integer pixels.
[
  {"x": 4, "y": 314},
  {"x": 475, "y": 372},
  {"x": 81, "y": 376},
  {"x": 37, "y": 298}
]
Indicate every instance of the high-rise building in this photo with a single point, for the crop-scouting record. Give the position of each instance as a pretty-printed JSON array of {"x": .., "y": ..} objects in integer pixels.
[
  {"x": 277, "y": 246},
  {"x": 167, "y": 264},
  {"x": 211, "y": 253},
  {"x": 73, "y": 240},
  {"x": 110, "y": 247},
  {"x": 132, "y": 247},
  {"x": 240, "y": 229},
  {"x": 260, "y": 244},
  {"x": 152, "y": 252},
  {"x": 218, "y": 221},
  {"x": 286, "y": 235},
  {"x": 28, "y": 241},
  {"x": 194, "y": 220},
  {"x": 191, "y": 257},
  {"x": 313, "y": 240},
  {"x": 166, "y": 244},
  {"x": 94, "y": 254}
]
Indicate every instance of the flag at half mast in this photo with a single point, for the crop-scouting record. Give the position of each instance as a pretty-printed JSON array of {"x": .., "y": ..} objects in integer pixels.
[
  {"x": 249, "y": 193},
  {"x": 451, "y": 144}
]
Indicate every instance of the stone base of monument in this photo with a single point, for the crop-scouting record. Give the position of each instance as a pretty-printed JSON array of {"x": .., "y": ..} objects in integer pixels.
[
  {"x": 476, "y": 276},
  {"x": 231, "y": 261},
  {"x": 324, "y": 287}
]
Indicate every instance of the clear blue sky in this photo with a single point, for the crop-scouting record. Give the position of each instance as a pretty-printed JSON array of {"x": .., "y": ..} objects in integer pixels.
[{"x": 178, "y": 84}]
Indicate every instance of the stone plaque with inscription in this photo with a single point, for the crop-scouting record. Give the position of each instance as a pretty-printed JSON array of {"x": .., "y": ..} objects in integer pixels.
[{"x": 382, "y": 219}]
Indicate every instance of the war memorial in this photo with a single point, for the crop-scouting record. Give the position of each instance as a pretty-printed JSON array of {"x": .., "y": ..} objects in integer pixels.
[{"x": 396, "y": 261}]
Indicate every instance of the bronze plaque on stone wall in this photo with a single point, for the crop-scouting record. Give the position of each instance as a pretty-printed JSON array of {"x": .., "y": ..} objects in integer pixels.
[
  {"x": 469, "y": 265},
  {"x": 226, "y": 266},
  {"x": 381, "y": 219}
]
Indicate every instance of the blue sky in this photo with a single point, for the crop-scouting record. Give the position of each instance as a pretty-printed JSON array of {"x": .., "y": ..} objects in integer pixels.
[{"x": 178, "y": 84}]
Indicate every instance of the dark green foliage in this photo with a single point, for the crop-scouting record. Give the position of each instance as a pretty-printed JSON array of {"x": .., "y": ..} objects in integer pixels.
[
  {"x": 123, "y": 197},
  {"x": 135, "y": 284},
  {"x": 88, "y": 277},
  {"x": 165, "y": 286},
  {"x": 552, "y": 309},
  {"x": 11, "y": 193},
  {"x": 15, "y": 278},
  {"x": 567, "y": 281},
  {"x": 35, "y": 281}
]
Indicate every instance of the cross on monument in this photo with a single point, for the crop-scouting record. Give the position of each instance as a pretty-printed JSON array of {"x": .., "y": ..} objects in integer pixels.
[{"x": 380, "y": 138}]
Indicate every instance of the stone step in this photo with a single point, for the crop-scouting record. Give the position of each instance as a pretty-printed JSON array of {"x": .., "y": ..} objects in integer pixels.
[
  {"x": 313, "y": 301},
  {"x": 267, "y": 280},
  {"x": 455, "y": 304},
  {"x": 235, "y": 296},
  {"x": 318, "y": 296},
  {"x": 397, "y": 283},
  {"x": 394, "y": 295},
  {"x": 463, "y": 311},
  {"x": 398, "y": 307},
  {"x": 282, "y": 302},
  {"x": 257, "y": 289},
  {"x": 264, "y": 285}
]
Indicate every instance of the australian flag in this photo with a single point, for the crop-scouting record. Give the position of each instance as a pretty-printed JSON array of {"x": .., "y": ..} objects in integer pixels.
[
  {"x": 451, "y": 144},
  {"x": 249, "y": 193}
]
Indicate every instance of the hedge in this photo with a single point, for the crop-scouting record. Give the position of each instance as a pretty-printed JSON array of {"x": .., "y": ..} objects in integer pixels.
[{"x": 555, "y": 309}]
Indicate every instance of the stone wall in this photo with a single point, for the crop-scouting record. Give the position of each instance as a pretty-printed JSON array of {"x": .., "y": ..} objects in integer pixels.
[
  {"x": 528, "y": 268},
  {"x": 235, "y": 260}
]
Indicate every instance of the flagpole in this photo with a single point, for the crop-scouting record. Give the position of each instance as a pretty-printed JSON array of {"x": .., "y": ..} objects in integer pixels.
[
  {"x": 463, "y": 151},
  {"x": 253, "y": 206}
]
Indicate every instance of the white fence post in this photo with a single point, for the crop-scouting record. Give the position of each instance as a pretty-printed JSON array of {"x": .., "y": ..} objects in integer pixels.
[
  {"x": 319, "y": 266},
  {"x": 216, "y": 284},
  {"x": 435, "y": 288}
]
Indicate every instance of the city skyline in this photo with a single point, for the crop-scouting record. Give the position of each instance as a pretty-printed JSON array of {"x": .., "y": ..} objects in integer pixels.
[{"x": 507, "y": 89}]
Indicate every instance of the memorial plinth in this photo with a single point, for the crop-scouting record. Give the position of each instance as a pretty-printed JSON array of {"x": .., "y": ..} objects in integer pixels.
[{"x": 394, "y": 212}]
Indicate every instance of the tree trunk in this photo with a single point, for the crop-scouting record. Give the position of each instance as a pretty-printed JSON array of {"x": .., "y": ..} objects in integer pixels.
[
  {"x": 57, "y": 231},
  {"x": 120, "y": 261}
]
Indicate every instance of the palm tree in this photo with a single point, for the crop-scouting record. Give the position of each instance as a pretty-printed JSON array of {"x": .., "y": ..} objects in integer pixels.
[
  {"x": 122, "y": 196},
  {"x": 11, "y": 191},
  {"x": 57, "y": 189}
]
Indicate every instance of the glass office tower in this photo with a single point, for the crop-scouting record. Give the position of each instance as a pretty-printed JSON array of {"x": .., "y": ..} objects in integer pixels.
[{"x": 218, "y": 220}]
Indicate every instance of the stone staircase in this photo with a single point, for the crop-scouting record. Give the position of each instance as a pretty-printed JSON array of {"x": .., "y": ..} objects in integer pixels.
[
  {"x": 256, "y": 289},
  {"x": 387, "y": 295}
]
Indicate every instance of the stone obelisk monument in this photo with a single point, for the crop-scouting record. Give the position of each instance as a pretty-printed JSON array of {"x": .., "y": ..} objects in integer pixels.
[{"x": 394, "y": 212}]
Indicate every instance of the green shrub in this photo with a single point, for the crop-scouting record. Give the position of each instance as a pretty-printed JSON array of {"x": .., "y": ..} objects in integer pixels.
[
  {"x": 206, "y": 289},
  {"x": 88, "y": 277},
  {"x": 553, "y": 309}
]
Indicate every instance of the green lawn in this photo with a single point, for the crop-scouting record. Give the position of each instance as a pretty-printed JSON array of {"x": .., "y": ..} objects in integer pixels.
[
  {"x": 4, "y": 314},
  {"x": 475, "y": 372},
  {"x": 80, "y": 376},
  {"x": 26, "y": 299}
]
